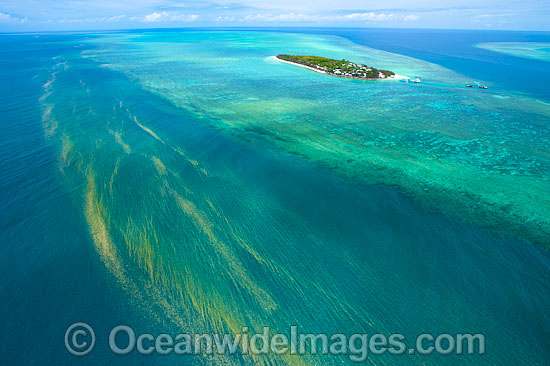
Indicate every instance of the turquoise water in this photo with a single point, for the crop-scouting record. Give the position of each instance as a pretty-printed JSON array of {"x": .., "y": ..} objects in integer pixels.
[
  {"x": 533, "y": 50},
  {"x": 187, "y": 181}
]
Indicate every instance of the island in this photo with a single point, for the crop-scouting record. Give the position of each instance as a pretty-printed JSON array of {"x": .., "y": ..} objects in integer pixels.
[{"x": 342, "y": 68}]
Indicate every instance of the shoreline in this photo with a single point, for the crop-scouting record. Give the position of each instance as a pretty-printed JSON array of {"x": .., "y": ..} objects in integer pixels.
[
  {"x": 297, "y": 64},
  {"x": 393, "y": 77}
]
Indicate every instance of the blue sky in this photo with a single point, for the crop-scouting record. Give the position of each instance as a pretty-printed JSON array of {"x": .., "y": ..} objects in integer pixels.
[{"x": 32, "y": 15}]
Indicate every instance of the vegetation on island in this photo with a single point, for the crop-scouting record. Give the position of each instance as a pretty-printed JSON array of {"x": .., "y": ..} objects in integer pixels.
[{"x": 343, "y": 68}]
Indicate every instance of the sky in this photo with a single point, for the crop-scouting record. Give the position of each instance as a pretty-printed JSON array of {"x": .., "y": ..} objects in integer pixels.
[{"x": 59, "y": 15}]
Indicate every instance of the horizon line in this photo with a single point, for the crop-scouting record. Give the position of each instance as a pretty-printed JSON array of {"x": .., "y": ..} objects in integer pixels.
[{"x": 266, "y": 28}]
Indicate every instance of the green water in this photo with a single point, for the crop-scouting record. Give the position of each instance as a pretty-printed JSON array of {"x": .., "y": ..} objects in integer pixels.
[
  {"x": 189, "y": 182},
  {"x": 441, "y": 142}
]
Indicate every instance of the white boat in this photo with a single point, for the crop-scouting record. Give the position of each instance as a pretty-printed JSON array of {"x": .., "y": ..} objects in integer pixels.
[{"x": 417, "y": 80}]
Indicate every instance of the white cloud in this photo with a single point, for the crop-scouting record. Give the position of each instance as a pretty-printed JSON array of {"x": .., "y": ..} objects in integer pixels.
[
  {"x": 116, "y": 18},
  {"x": 155, "y": 17},
  {"x": 290, "y": 17},
  {"x": 366, "y": 16},
  {"x": 225, "y": 19},
  {"x": 461, "y": 14},
  {"x": 7, "y": 18},
  {"x": 488, "y": 20},
  {"x": 113, "y": 19},
  {"x": 410, "y": 17},
  {"x": 352, "y": 17},
  {"x": 165, "y": 16},
  {"x": 372, "y": 16}
]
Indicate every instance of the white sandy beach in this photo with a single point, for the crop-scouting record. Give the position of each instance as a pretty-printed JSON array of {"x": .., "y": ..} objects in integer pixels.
[{"x": 293, "y": 63}]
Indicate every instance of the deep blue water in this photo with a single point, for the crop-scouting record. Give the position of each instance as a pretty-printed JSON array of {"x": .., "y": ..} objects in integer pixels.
[{"x": 415, "y": 269}]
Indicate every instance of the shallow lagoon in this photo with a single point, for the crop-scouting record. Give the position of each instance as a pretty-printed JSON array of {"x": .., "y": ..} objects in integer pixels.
[
  {"x": 534, "y": 50},
  {"x": 440, "y": 141}
]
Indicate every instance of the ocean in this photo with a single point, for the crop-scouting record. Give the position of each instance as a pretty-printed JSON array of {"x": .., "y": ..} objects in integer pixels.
[{"x": 185, "y": 181}]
